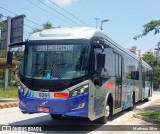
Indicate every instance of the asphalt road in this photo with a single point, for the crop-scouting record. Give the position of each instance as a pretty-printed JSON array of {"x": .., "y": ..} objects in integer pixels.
[{"x": 13, "y": 116}]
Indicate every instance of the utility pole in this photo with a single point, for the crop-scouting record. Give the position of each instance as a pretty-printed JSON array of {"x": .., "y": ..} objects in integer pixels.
[
  {"x": 8, "y": 31},
  {"x": 96, "y": 22}
]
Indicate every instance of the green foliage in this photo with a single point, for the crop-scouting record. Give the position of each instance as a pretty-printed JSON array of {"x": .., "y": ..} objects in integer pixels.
[
  {"x": 2, "y": 53},
  {"x": 9, "y": 93},
  {"x": 154, "y": 62},
  {"x": 153, "y": 115},
  {"x": 1, "y": 23},
  {"x": 154, "y": 25},
  {"x": 36, "y": 30},
  {"x": 47, "y": 25},
  {"x": 18, "y": 55}
]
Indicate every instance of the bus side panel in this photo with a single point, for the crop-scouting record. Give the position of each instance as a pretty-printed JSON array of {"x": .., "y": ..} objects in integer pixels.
[
  {"x": 126, "y": 93},
  {"x": 147, "y": 89},
  {"x": 96, "y": 101},
  {"x": 98, "y": 98},
  {"x": 137, "y": 90}
]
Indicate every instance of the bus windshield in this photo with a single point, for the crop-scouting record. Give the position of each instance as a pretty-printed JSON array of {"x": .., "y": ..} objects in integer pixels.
[{"x": 50, "y": 61}]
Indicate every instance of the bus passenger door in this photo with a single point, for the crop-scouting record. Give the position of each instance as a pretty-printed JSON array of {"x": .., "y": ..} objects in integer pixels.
[
  {"x": 118, "y": 87},
  {"x": 98, "y": 91}
]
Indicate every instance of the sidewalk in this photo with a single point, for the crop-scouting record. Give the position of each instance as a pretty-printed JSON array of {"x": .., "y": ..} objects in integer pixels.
[
  {"x": 8, "y": 102},
  {"x": 152, "y": 107}
]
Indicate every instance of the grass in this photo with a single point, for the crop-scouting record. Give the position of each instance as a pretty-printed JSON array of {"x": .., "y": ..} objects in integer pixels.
[
  {"x": 153, "y": 115},
  {"x": 11, "y": 92}
]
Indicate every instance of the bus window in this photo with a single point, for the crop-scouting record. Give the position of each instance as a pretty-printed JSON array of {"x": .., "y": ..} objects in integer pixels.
[{"x": 110, "y": 62}]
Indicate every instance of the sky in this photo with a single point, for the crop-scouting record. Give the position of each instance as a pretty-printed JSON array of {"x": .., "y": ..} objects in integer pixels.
[{"x": 126, "y": 17}]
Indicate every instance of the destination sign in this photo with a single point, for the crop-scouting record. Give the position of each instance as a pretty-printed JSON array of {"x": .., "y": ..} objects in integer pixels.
[{"x": 55, "y": 48}]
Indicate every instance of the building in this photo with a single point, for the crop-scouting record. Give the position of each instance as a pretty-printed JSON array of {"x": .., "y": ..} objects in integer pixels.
[
  {"x": 154, "y": 52},
  {"x": 135, "y": 49}
]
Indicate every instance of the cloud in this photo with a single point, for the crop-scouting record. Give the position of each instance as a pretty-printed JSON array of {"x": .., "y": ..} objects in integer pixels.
[{"x": 62, "y": 2}]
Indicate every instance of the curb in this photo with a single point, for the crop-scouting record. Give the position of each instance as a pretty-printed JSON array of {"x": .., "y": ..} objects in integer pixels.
[
  {"x": 9, "y": 104},
  {"x": 147, "y": 119}
]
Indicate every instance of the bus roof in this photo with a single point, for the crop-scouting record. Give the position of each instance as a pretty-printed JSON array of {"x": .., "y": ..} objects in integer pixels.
[
  {"x": 77, "y": 33},
  {"x": 64, "y": 33}
]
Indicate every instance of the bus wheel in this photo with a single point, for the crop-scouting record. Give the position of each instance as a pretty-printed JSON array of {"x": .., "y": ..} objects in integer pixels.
[
  {"x": 56, "y": 116},
  {"x": 132, "y": 104},
  {"x": 103, "y": 119},
  {"x": 146, "y": 100}
]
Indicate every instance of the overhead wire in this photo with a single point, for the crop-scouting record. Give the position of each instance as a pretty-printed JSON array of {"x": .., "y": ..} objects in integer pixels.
[
  {"x": 59, "y": 13},
  {"x": 28, "y": 26},
  {"x": 24, "y": 24},
  {"x": 8, "y": 10},
  {"x": 17, "y": 15},
  {"x": 69, "y": 13},
  {"x": 24, "y": 32},
  {"x": 47, "y": 12},
  {"x": 33, "y": 22}
]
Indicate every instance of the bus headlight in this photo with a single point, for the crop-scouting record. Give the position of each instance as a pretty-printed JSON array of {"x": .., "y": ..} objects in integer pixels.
[
  {"x": 80, "y": 90},
  {"x": 21, "y": 89}
]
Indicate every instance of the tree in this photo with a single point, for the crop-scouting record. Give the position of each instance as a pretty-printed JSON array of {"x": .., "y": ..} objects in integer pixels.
[
  {"x": 47, "y": 25},
  {"x": 2, "y": 52},
  {"x": 18, "y": 55},
  {"x": 154, "y": 62},
  {"x": 1, "y": 23},
  {"x": 154, "y": 25}
]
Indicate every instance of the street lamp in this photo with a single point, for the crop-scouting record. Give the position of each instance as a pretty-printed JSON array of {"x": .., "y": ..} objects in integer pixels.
[
  {"x": 102, "y": 23},
  {"x": 96, "y": 22}
]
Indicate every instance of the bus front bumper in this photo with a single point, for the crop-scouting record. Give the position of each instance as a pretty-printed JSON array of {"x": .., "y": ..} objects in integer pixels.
[{"x": 74, "y": 106}]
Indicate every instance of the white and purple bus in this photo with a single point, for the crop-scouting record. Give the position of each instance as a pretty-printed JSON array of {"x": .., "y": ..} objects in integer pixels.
[{"x": 79, "y": 72}]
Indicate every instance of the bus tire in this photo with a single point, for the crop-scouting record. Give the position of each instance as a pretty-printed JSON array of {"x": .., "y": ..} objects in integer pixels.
[
  {"x": 104, "y": 119},
  {"x": 146, "y": 100},
  {"x": 56, "y": 116},
  {"x": 132, "y": 104}
]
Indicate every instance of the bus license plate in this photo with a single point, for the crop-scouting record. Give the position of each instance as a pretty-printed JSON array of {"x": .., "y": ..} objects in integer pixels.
[
  {"x": 43, "y": 109},
  {"x": 44, "y": 95}
]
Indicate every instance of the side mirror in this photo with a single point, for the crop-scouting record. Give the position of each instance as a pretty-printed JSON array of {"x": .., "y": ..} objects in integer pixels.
[
  {"x": 9, "y": 58},
  {"x": 99, "y": 46},
  {"x": 100, "y": 60}
]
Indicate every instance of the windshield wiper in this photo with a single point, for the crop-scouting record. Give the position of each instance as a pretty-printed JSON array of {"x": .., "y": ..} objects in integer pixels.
[
  {"x": 38, "y": 72},
  {"x": 57, "y": 74}
]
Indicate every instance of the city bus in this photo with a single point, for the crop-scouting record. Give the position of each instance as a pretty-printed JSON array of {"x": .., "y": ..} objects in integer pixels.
[{"x": 81, "y": 72}]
